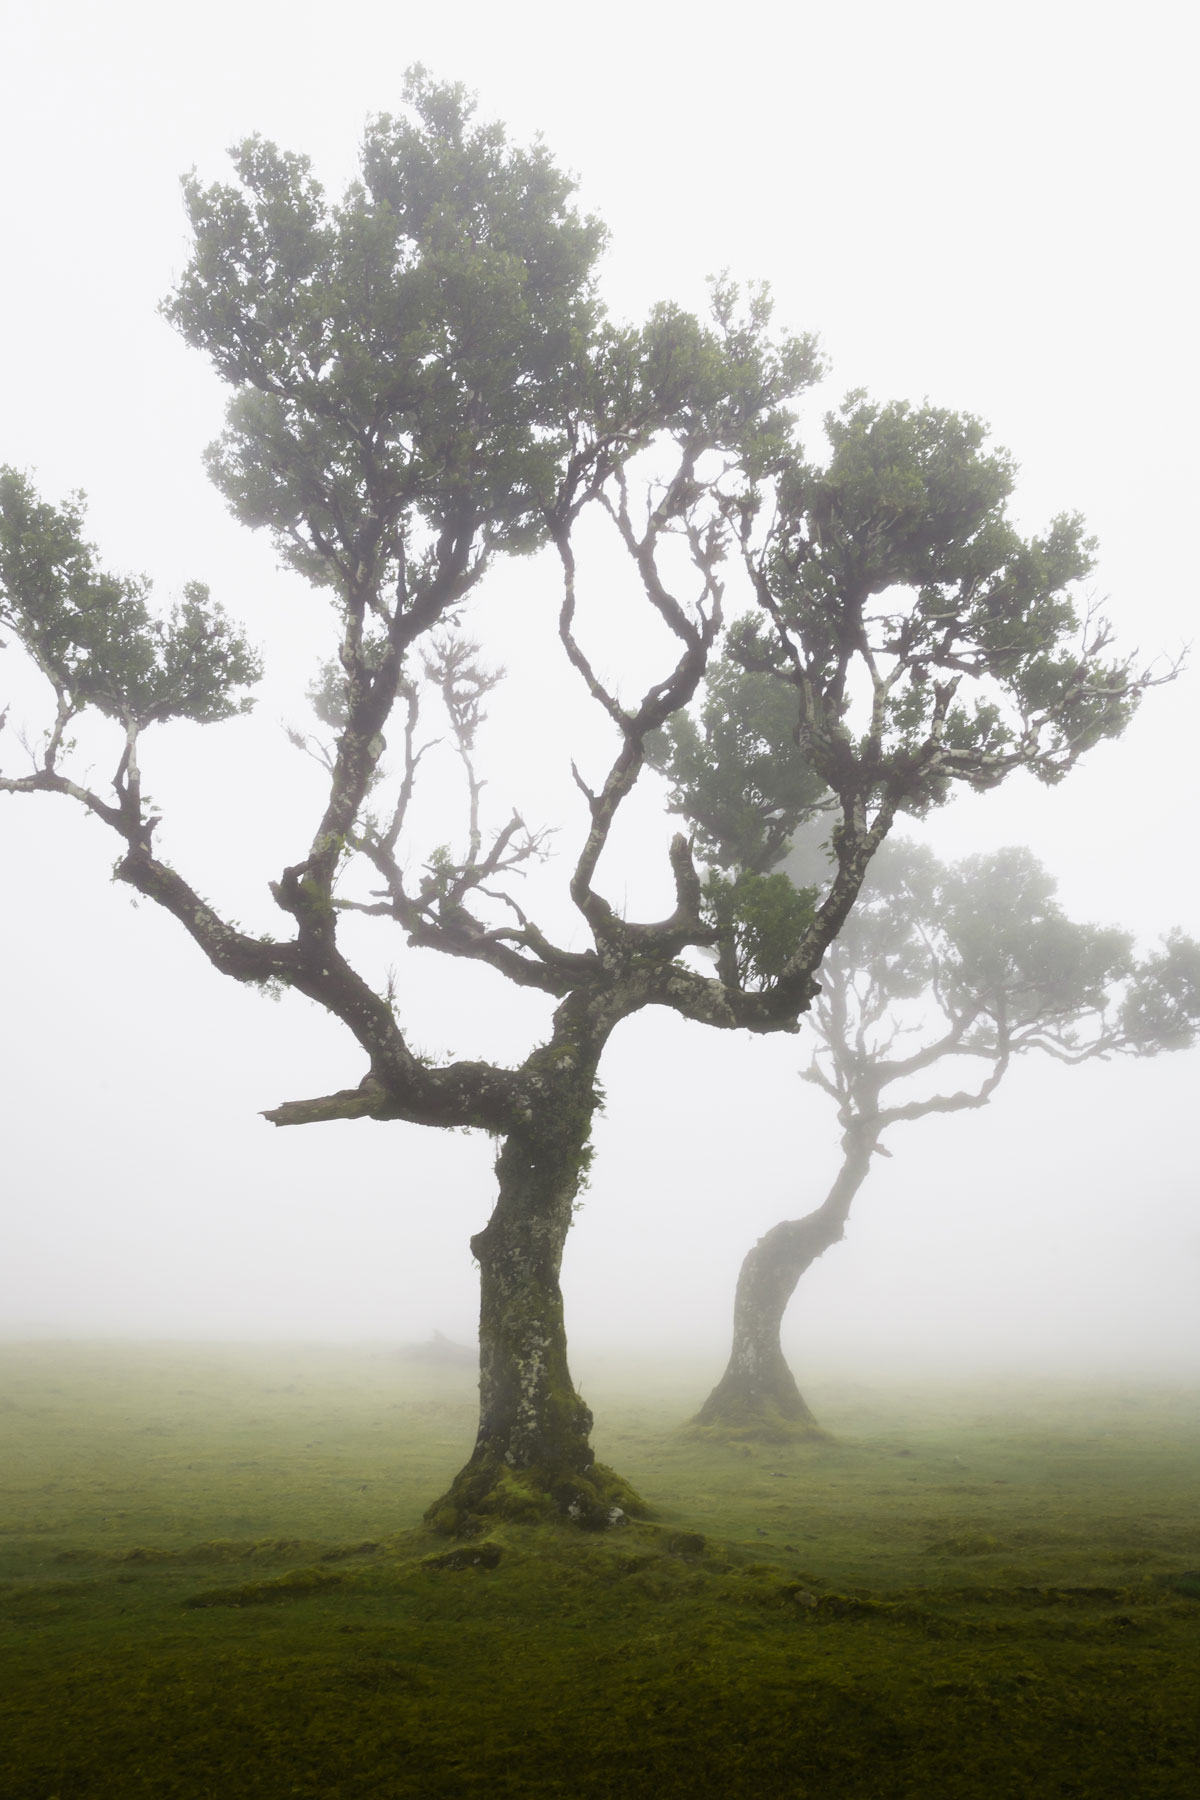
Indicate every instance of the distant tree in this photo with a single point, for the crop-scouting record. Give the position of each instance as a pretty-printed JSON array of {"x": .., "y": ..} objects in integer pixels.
[
  {"x": 424, "y": 380},
  {"x": 939, "y": 966}
]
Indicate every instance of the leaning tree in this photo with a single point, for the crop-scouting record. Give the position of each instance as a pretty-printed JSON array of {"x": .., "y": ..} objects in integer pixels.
[
  {"x": 424, "y": 381},
  {"x": 939, "y": 968}
]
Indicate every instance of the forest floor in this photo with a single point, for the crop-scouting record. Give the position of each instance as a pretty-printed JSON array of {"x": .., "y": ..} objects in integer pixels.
[{"x": 214, "y": 1585}]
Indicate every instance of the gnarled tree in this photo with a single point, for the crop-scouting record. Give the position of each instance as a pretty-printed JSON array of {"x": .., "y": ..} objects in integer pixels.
[{"x": 424, "y": 380}]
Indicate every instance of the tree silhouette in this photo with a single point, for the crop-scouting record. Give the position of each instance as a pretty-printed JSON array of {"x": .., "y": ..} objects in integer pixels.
[{"x": 939, "y": 967}]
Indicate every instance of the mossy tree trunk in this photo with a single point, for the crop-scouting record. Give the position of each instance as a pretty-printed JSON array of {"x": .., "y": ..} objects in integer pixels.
[
  {"x": 758, "y": 1391},
  {"x": 532, "y": 1455}
]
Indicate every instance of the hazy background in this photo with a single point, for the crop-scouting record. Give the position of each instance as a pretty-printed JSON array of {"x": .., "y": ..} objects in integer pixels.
[{"x": 988, "y": 207}]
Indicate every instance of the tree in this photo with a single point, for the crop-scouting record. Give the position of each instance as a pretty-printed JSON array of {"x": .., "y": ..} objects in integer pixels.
[
  {"x": 937, "y": 967},
  {"x": 424, "y": 380}
]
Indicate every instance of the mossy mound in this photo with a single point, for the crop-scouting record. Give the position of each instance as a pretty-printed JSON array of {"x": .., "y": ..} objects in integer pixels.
[
  {"x": 484, "y": 1555},
  {"x": 486, "y": 1493},
  {"x": 297, "y": 1583}
]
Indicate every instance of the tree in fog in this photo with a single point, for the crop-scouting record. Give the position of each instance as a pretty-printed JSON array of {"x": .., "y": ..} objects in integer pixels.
[
  {"x": 941, "y": 976},
  {"x": 937, "y": 968},
  {"x": 424, "y": 381}
]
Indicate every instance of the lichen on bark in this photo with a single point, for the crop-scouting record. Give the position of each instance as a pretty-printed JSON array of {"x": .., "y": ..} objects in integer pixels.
[{"x": 533, "y": 1457}]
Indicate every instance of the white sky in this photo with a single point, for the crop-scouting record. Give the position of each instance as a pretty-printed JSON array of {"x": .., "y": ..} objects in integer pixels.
[{"x": 989, "y": 207}]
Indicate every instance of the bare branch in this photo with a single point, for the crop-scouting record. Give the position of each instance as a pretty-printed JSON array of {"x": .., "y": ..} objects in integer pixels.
[{"x": 566, "y": 621}]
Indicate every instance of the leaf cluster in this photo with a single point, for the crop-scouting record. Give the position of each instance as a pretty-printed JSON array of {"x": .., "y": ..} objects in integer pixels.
[
  {"x": 1161, "y": 1010},
  {"x": 1008, "y": 946},
  {"x": 927, "y": 640},
  {"x": 758, "y": 920},
  {"x": 735, "y": 771},
  {"x": 979, "y": 958},
  {"x": 403, "y": 357},
  {"x": 93, "y": 634}
]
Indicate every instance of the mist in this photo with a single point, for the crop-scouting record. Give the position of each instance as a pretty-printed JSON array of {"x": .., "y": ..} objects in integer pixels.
[{"x": 982, "y": 212}]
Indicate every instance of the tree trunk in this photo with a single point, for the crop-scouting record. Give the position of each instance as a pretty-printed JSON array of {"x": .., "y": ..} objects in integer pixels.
[
  {"x": 532, "y": 1458},
  {"x": 757, "y": 1394}
]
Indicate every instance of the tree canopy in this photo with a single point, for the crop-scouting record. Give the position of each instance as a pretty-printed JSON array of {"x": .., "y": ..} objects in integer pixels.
[{"x": 424, "y": 379}]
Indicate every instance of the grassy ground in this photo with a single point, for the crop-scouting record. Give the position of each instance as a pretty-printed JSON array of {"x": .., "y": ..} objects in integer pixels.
[{"x": 213, "y": 1585}]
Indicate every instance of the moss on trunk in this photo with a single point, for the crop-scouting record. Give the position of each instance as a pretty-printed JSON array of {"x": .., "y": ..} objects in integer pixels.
[{"x": 533, "y": 1456}]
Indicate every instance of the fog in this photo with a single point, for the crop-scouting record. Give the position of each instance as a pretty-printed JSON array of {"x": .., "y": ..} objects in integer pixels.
[{"x": 982, "y": 208}]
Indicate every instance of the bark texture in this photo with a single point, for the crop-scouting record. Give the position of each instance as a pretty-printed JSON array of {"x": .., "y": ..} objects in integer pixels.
[
  {"x": 532, "y": 1456},
  {"x": 757, "y": 1394}
]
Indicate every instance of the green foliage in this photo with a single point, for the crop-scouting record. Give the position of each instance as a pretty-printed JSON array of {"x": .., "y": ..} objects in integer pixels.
[
  {"x": 1161, "y": 1010},
  {"x": 912, "y": 498},
  {"x": 906, "y": 637},
  {"x": 408, "y": 356},
  {"x": 984, "y": 937},
  {"x": 327, "y": 696},
  {"x": 735, "y": 771},
  {"x": 1014, "y": 948},
  {"x": 722, "y": 387},
  {"x": 92, "y": 634},
  {"x": 896, "y": 552},
  {"x": 985, "y": 941},
  {"x": 909, "y": 496},
  {"x": 760, "y": 920}
]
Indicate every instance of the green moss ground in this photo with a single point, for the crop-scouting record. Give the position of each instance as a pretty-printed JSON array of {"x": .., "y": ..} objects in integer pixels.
[{"x": 214, "y": 1584}]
